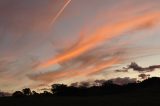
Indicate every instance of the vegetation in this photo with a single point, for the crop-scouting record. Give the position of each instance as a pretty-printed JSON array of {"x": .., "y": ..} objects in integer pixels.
[
  {"x": 106, "y": 88},
  {"x": 133, "y": 94}
]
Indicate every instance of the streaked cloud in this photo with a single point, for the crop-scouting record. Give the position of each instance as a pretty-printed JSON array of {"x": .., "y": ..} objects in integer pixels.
[
  {"x": 43, "y": 42},
  {"x": 103, "y": 34}
]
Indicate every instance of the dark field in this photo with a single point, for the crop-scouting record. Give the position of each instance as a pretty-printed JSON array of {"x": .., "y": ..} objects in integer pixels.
[{"x": 110, "y": 100}]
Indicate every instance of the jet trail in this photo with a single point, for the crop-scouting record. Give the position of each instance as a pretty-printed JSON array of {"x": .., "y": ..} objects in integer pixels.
[{"x": 60, "y": 12}]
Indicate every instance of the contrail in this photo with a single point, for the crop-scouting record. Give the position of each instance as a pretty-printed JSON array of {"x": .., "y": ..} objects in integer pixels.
[{"x": 60, "y": 11}]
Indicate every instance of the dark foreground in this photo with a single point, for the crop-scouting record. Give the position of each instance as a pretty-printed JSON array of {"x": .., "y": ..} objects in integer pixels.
[
  {"x": 146, "y": 93},
  {"x": 110, "y": 100}
]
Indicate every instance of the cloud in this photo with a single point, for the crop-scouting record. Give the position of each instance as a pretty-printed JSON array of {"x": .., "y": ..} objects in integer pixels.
[
  {"x": 103, "y": 34},
  {"x": 86, "y": 65},
  {"x": 80, "y": 61},
  {"x": 24, "y": 25},
  {"x": 13, "y": 72},
  {"x": 125, "y": 80},
  {"x": 144, "y": 76},
  {"x": 118, "y": 81},
  {"x": 138, "y": 68},
  {"x": 77, "y": 72},
  {"x": 84, "y": 84},
  {"x": 100, "y": 45}
]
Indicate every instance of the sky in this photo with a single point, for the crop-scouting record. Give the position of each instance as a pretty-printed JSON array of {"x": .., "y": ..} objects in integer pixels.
[{"x": 65, "y": 41}]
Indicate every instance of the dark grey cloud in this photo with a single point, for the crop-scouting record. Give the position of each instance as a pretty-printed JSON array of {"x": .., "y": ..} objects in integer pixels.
[
  {"x": 138, "y": 68},
  {"x": 88, "y": 83},
  {"x": 144, "y": 76},
  {"x": 118, "y": 81},
  {"x": 122, "y": 81}
]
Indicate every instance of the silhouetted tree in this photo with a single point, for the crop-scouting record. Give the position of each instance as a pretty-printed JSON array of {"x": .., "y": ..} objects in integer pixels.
[
  {"x": 46, "y": 93},
  {"x": 106, "y": 88},
  {"x": 17, "y": 94},
  {"x": 58, "y": 88},
  {"x": 27, "y": 91},
  {"x": 34, "y": 93}
]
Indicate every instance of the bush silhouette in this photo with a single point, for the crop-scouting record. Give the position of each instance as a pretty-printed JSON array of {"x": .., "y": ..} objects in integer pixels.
[
  {"x": 17, "y": 94},
  {"x": 27, "y": 91},
  {"x": 106, "y": 88},
  {"x": 34, "y": 93},
  {"x": 58, "y": 89}
]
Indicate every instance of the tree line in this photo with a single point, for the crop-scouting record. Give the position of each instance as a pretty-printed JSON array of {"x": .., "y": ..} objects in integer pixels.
[{"x": 105, "y": 88}]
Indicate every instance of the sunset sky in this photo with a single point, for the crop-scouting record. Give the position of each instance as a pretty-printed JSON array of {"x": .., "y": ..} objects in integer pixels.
[{"x": 64, "y": 41}]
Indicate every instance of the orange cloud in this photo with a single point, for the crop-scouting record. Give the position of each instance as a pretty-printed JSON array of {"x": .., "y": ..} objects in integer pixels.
[
  {"x": 103, "y": 34},
  {"x": 53, "y": 76}
]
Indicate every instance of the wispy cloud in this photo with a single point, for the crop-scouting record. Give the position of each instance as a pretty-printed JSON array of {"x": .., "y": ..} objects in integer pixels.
[
  {"x": 79, "y": 53},
  {"x": 75, "y": 72},
  {"x": 89, "y": 38},
  {"x": 103, "y": 34}
]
